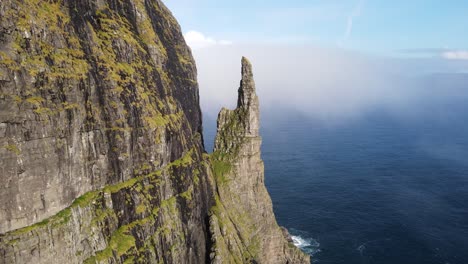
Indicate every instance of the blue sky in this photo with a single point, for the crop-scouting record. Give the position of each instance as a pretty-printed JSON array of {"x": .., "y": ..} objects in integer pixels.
[{"x": 373, "y": 26}]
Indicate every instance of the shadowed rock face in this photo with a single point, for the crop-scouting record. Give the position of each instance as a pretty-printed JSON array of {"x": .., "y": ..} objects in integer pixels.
[
  {"x": 102, "y": 156},
  {"x": 243, "y": 226}
]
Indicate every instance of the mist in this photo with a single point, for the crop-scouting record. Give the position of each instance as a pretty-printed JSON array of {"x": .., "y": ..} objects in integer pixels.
[{"x": 327, "y": 83}]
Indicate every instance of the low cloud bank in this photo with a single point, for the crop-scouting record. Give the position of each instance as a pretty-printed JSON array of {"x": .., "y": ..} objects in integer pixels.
[{"x": 325, "y": 83}]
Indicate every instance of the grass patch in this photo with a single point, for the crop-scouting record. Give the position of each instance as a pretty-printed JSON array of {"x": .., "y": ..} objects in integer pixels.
[
  {"x": 187, "y": 195},
  {"x": 185, "y": 161},
  {"x": 220, "y": 169},
  {"x": 121, "y": 241},
  {"x": 85, "y": 199}
]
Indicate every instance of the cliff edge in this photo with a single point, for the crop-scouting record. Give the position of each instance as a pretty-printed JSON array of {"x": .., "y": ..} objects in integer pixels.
[{"x": 102, "y": 150}]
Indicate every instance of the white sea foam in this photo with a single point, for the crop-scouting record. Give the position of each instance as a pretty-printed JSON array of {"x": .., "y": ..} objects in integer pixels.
[{"x": 308, "y": 245}]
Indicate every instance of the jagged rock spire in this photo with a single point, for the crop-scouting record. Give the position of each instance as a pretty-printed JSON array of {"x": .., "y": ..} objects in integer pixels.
[
  {"x": 244, "y": 121},
  {"x": 243, "y": 226},
  {"x": 247, "y": 84},
  {"x": 248, "y": 99}
]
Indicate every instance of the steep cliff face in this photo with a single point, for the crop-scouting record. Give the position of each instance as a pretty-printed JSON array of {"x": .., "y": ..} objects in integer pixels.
[
  {"x": 91, "y": 91},
  {"x": 99, "y": 103},
  {"x": 242, "y": 223},
  {"x": 101, "y": 148}
]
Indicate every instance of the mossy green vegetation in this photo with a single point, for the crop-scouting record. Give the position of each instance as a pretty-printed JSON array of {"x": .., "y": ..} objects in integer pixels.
[
  {"x": 8, "y": 62},
  {"x": 13, "y": 148},
  {"x": 35, "y": 100},
  {"x": 121, "y": 241},
  {"x": 27, "y": 229},
  {"x": 170, "y": 204},
  {"x": 34, "y": 52},
  {"x": 141, "y": 208},
  {"x": 185, "y": 161},
  {"x": 196, "y": 176},
  {"x": 146, "y": 30},
  {"x": 85, "y": 199},
  {"x": 187, "y": 195},
  {"x": 220, "y": 169},
  {"x": 157, "y": 121}
]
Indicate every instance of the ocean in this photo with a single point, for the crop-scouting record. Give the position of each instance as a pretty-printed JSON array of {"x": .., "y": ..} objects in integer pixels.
[{"x": 382, "y": 187}]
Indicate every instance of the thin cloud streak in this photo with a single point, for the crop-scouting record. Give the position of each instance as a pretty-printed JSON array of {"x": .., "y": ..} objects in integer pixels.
[
  {"x": 349, "y": 26},
  {"x": 444, "y": 53},
  {"x": 455, "y": 55}
]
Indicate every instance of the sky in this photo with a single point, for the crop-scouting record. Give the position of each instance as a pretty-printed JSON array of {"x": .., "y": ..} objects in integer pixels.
[
  {"x": 333, "y": 59},
  {"x": 377, "y": 26}
]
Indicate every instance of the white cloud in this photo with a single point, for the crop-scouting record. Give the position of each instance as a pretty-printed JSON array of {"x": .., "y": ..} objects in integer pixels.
[
  {"x": 196, "y": 40},
  {"x": 455, "y": 55}
]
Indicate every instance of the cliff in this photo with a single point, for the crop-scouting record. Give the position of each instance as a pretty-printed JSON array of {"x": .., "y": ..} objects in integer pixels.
[
  {"x": 242, "y": 223},
  {"x": 101, "y": 143}
]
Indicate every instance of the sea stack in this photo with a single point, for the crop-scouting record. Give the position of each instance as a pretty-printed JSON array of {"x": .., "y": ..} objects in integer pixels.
[{"x": 243, "y": 226}]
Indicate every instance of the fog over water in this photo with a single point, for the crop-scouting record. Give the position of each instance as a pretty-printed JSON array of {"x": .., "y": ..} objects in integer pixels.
[{"x": 327, "y": 83}]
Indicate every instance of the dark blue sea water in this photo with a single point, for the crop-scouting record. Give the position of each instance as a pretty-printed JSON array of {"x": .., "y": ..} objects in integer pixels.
[{"x": 380, "y": 188}]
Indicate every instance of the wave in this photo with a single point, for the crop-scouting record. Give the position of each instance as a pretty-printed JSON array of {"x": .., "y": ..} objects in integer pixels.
[{"x": 303, "y": 241}]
